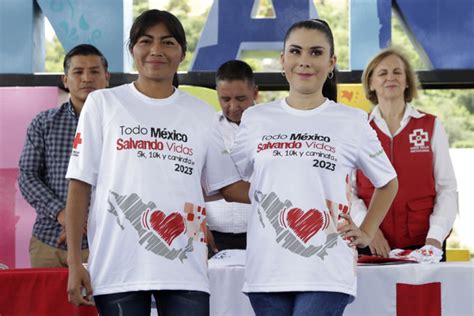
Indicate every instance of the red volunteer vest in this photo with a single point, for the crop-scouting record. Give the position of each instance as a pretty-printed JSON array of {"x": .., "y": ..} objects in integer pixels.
[{"x": 407, "y": 221}]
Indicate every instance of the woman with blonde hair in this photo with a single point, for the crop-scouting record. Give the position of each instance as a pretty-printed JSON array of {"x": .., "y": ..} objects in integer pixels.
[{"x": 425, "y": 207}]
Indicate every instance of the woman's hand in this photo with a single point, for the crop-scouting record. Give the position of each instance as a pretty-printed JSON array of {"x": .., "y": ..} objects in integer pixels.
[
  {"x": 379, "y": 245},
  {"x": 351, "y": 232},
  {"x": 434, "y": 243},
  {"x": 79, "y": 279},
  {"x": 211, "y": 243}
]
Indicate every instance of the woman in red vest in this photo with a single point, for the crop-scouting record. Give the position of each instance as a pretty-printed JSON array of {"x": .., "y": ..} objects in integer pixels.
[{"x": 425, "y": 207}]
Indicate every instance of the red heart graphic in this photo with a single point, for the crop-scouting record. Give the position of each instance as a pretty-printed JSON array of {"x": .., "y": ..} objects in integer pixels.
[
  {"x": 305, "y": 225},
  {"x": 168, "y": 227}
]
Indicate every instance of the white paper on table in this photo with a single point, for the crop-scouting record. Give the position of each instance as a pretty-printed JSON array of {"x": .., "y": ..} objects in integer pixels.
[{"x": 228, "y": 258}]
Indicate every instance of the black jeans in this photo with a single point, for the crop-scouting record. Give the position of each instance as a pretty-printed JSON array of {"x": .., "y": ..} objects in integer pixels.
[
  {"x": 168, "y": 302},
  {"x": 228, "y": 241}
]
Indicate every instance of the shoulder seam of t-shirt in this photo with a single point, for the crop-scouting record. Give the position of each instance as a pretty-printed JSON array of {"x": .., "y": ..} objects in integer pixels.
[{"x": 98, "y": 97}]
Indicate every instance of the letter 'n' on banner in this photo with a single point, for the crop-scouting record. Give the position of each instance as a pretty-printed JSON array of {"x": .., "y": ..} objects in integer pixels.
[
  {"x": 230, "y": 29},
  {"x": 419, "y": 300}
]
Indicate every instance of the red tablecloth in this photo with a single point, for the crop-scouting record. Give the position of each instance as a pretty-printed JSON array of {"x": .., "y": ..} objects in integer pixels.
[{"x": 37, "y": 292}]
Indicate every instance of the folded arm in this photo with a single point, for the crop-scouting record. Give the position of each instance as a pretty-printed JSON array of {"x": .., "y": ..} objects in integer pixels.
[{"x": 236, "y": 192}]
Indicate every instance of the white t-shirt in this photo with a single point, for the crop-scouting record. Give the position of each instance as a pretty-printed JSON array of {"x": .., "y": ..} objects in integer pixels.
[
  {"x": 146, "y": 160},
  {"x": 298, "y": 163},
  {"x": 222, "y": 216}
]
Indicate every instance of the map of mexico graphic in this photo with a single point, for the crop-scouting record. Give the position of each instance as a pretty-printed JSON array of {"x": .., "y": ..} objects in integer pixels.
[{"x": 157, "y": 231}]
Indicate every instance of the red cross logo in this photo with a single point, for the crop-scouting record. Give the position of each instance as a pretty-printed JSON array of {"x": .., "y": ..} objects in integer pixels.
[
  {"x": 419, "y": 137},
  {"x": 77, "y": 140}
]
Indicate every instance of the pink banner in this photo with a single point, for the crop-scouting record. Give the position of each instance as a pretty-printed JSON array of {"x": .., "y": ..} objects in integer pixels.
[{"x": 18, "y": 106}]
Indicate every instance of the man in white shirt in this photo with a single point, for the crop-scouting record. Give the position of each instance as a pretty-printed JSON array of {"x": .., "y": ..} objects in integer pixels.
[{"x": 237, "y": 91}]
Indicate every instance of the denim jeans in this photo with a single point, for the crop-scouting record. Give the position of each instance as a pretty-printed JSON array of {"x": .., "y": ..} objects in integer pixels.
[
  {"x": 175, "y": 303},
  {"x": 299, "y": 303}
]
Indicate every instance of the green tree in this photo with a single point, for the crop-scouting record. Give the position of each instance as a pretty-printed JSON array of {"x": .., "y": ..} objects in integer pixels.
[
  {"x": 337, "y": 16},
  {"x": 139, "y": 6},
  {"x": 54, "y": 56},
  {"x": 179, "y": 8},
  {"x": 466, "y": 97},
  {"x": 265, "y": 9},
  {"x": 449, "y": 107},
  {"x": 192, "y": 25}
]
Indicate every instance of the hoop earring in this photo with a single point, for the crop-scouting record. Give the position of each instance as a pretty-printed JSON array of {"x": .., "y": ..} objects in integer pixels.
[
  {"x": 283, "y": 73},
  {"x": 331, "y": 75}
]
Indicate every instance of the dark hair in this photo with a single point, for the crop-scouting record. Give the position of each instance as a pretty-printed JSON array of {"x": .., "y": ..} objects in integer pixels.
[
  {"x": 330, "y": 85},
  {"x": 150, "y": 18},
  {"x": 235, "y": 70},
  {"x": 83, "y": 50}
]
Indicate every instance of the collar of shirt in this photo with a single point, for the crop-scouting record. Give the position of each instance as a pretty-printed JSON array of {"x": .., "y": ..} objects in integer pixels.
[
  {"x": 228, "y": 130},
  {"x": 222, "y": 117},
  {"x": 410, "y": 112},
  {"x": 70, "y": 108}
]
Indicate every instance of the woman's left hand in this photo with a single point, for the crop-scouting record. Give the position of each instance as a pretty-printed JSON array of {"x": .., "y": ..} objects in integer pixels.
[
  {"x": 434, "y": 243},
  {"x": 356, "y": 236}
]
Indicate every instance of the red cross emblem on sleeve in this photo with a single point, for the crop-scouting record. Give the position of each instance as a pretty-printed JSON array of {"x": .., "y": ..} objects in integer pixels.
[{"x": 77, "y": 140}]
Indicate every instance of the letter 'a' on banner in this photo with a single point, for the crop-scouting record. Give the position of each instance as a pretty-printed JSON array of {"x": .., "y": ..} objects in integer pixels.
[{"x": 230, "y": 29}]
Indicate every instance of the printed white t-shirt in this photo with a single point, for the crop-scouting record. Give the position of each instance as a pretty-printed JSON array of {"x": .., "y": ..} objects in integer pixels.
[
  {"x": 146, "y": 160},
  {"x": 298, "y": 163}
]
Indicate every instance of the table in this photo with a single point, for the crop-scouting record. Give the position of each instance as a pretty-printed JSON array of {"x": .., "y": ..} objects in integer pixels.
[
  {"x": 383, "y": 290},
  {"x": 436, "y": 289},
  {"x": 37, "y": 292}
]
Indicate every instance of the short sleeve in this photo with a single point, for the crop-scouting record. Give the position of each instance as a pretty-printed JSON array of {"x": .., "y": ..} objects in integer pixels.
[
  {"x": 219, "y": 169},
  {"x": 87, "y": 147},
  {"x": 242, "y": 151},
  {"x": 372, "y": 159}
]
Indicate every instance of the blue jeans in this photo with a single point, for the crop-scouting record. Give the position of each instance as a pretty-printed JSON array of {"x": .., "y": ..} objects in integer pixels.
[
  {"x": 169, "y": 303},
  {"x": 299, "y": 303}
]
